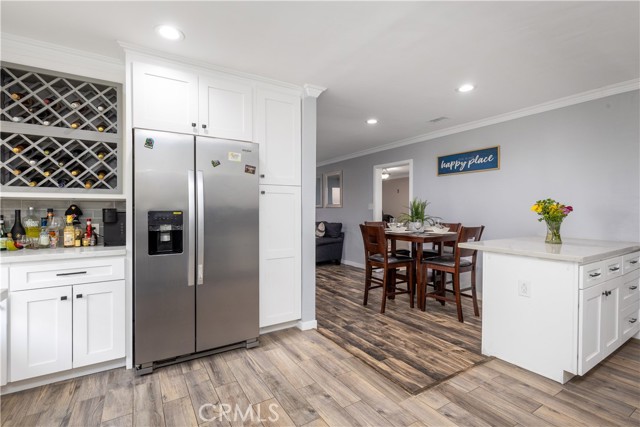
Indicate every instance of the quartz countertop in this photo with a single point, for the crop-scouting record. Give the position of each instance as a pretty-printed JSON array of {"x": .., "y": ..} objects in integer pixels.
[
  {"x": 31, "y": 255},
  {"x": 573, "y": 250}
]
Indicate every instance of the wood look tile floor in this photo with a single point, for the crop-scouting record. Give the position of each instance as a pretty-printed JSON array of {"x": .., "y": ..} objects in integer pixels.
[
  {"x": 304, "y": 379},
  {"x": 413, "y": 348}
]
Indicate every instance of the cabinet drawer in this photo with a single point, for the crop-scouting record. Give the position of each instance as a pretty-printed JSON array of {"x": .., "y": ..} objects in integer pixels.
[
  {"x": 60, "y": 273},
  {"x": 631, "y": 262},
  {"x": 592, "y": 274},
  {"x": 630, "y": 288},
  {"x": 612, "y": 267},
  {"x": 630, "y": 321}
]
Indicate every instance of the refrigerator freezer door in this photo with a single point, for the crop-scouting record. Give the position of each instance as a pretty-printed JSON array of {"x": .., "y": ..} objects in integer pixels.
[
  {"x": 227, "y": 300},
  {"x": 164, "y": 290}
]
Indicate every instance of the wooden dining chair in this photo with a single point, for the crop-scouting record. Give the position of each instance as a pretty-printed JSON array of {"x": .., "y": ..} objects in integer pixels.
[
  {"x": 377, "y": 256},
  {"x": 461, "y": 261}
]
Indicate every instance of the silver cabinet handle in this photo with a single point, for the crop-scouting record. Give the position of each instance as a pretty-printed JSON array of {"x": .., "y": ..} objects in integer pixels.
[
  {"x": 633, "y": 288},
  {"x": 191, "y": 184},
  {"x": 633, "y": 320},
  {"x": 193, "y": 125},
  {"x": 204, "y": 126},
  {"x": 594, "y": 274},
  {"x": 614, "y": 268},
  {"x": 79, "y": 296},
  {"x": 64, "y": 298},
  {"x": 200, "y": 215},
  {"x": 71, "y": 274},
  {"x": 635, "y": 261}
]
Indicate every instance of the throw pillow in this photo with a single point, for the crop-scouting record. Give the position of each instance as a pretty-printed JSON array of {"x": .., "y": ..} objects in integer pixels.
[
  {"x": 334, "y": 229},
  {"x": 320, "y": 230}
]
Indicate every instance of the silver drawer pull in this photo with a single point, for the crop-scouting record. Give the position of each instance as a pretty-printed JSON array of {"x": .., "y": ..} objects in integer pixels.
[
  {"x": 635, "y": 261},
  {"x": 75, "y": 273},
  {"x": 633, "y": 320},
  {"x": 633, "y": 288},
  {"x": 614, "y": 268},
  {"x": 594, "y": 274}
]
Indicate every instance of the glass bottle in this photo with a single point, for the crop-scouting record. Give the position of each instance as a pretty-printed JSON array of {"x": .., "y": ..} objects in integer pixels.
[
  {"x": 69, "y": 233},
  {"x": 77, "y": 237},
  {"x": 44, "y": 241},
  {"x": 3, "y": 235},
  {"x": 17, "y": 231},
  {"x": 32, "y": 224}
]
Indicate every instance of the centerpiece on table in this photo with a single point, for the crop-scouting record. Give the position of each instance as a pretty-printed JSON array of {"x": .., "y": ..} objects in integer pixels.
[
  {"x": 552, "y": 213},
  {"x": 417, "y": 215}
]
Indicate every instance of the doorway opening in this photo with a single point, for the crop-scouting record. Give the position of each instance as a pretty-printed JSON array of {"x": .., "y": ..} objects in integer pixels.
[{"x": 393, "y": 191}]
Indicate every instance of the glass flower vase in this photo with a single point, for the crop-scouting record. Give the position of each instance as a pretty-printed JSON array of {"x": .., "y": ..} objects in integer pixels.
[{"x": 553, "y": 232}]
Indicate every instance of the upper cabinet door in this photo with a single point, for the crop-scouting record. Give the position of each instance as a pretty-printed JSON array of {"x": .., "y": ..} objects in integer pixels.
[
  {"x": 278, "y": 131},
  {"x": 164, "y": 99},
  {"x": 226, "y": 109}
]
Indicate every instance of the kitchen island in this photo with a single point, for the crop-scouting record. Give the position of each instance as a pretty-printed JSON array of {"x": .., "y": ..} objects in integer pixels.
[{"x": 558, "y": 310}]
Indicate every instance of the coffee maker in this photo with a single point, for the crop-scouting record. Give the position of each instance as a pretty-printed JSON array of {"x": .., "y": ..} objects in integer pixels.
[{"x": 114, "y": 229}]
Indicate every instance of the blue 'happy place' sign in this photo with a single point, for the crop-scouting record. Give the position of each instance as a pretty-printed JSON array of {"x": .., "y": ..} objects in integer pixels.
[{"x": 470, "y": 161}]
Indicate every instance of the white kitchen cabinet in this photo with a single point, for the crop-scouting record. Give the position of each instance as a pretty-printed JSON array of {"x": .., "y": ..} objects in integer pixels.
[
  {"x": 65, "y": 314},
  {"x": 164, "y": 98},
  {"x": 278, "y": 131},
  {"x": 98, "y": 322},
  {"x": 226, "y": 109},
  {"x": 178, "y": 100},
  {"x": 4, "y": 324},
  {"x": 41, "y": 332},
  {"x": 599, "y": 332},
  {"x": 280, "y": 240}
]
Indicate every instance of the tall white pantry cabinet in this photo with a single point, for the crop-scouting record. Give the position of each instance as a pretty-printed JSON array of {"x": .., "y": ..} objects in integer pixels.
[{"x": 176, "y": 97}]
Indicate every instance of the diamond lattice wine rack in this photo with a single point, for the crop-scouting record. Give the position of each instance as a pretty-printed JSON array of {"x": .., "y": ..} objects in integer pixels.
[{"x": 60, "y": 133}]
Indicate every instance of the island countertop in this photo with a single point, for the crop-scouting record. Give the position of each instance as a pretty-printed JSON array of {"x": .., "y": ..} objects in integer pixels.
[
  {"x": 31, "y": 255},
  {"x": 572, "y": 250}
]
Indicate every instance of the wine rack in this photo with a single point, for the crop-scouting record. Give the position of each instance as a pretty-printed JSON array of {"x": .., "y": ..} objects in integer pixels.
[{"x": 59, "y": 133}]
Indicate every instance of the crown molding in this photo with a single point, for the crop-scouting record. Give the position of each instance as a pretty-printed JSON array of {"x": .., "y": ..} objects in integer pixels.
[
  {"x": 603, "y": 92},
  {"x": 49, "y": 56},
  {"x": 204, "y": 66},
  {"x": 313, "y": 90}
]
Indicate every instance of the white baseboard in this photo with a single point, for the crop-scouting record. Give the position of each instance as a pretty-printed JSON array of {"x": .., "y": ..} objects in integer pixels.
[
  {"x": 353, "y": 264},
  {"x": 279, "y": 327},
  {"x": 309, "y": 324}
]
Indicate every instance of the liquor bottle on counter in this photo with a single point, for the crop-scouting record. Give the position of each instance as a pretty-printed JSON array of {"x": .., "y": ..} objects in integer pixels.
[
  {"x": 69, "y": 233},
  {"x": 77, "y": 237},
  {"x": 44, "y": 240},
  {"x": 17, "y": 231},
  {"x": 32, "y": 224},
  {"x": 3, "y": 235}
]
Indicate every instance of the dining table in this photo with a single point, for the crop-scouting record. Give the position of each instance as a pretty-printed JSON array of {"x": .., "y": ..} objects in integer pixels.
[{"x": 417, "y": 240}]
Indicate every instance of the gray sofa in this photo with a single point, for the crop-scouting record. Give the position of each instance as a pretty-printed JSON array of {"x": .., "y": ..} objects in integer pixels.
[{"x": 329, "y": 246}]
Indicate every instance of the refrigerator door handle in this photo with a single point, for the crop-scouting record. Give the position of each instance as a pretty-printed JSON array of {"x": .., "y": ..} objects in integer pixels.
[
  {"x": 200, "y": 240},
  {"x": 191, "y": 183}
]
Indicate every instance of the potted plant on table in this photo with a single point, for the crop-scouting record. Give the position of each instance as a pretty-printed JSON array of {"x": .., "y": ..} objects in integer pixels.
[{"x": 417, "y": 215}]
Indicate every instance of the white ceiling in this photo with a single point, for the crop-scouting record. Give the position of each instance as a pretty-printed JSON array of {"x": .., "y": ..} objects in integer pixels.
[{"x": 397, "y": 61}]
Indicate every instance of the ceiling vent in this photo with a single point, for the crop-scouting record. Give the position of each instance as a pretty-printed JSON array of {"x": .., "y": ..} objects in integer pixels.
[{"x": 438, "y": 119}]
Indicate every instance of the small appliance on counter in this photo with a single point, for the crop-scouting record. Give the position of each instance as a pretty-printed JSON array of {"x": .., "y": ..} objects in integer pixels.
[{"x": 114, "y": 228}]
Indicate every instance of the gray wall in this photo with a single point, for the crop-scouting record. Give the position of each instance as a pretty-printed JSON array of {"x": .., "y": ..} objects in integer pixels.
[{"x": 586, "y": 155}]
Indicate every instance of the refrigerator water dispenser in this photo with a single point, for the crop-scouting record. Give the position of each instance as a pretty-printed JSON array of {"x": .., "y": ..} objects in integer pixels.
[{"x": 165, "y": 232}]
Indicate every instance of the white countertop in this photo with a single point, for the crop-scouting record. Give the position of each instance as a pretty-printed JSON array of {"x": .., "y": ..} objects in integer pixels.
[
  {"x": 31, "y": 255},
  {"x": 573, "y": 250}
]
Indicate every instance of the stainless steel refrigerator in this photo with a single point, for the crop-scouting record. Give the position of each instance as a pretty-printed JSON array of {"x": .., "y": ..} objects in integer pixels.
[{"x": 195, "y": 246}]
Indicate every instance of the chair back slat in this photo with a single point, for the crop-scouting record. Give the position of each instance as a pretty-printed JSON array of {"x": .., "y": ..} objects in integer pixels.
[
  {"x": 374, "y": 240},
  {"x": 468, "y": 234},
  {"x": 454, "y": 227}
]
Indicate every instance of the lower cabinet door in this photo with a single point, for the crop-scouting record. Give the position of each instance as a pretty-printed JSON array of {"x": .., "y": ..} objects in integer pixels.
[
  {"x": 98, "y": 322},
  {"x": 40, "y": 332},
  {"x": 280, "y": 260}
]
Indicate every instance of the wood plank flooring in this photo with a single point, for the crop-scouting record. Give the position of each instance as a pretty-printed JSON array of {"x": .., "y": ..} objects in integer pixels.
[
  {"x": 304, "y": 379},
  {"x": 412, "y": 348}
]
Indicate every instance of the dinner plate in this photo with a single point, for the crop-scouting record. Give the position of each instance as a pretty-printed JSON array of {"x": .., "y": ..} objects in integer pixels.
[
  {"x": 400, "y": 231},
  {"x": 443, "y": 232}
]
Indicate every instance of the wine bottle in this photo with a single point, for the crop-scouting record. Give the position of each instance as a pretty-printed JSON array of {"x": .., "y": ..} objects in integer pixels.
[
  {"x": 18, "y": 149},
  {"x": 101, "y": 175},
  {"x": 17, "y": 231},
  {"x": 17, "y": 96},
  {"x": 101, "y": 127},
  {"x": 35, "y": 160},
  {"x": 62, "y": 183},
  {"x": 47, "y": 151},
  {"x": 17, "y": 119},
  {"x": 100, "y": 108},
  {"x": 75, "y": 104},
  {"x": 62, "y": 161},
  {"x": 75, "y": 125},
  {"x": 101, "y": 155},
  {"x": 47, "y": 172},
  {"x": 76, "y": 171},
  {"x": 3, "y": 235},
  {"x": 17, "y": 171},
  {"x": 47, "y": 101},
  {"x": 88, "y": 184},
  {"x": 33, "y": 183}
]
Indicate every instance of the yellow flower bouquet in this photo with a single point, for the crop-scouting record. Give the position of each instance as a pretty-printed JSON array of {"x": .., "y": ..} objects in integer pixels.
[{"x": 552, "y": 213}]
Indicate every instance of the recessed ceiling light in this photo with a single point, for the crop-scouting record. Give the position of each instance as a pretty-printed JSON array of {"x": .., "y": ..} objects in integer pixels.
[
  {"x": 372, "y": 121},
  {"x": 466, "y": 88},
  {"x": 170, "y": 33}
]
